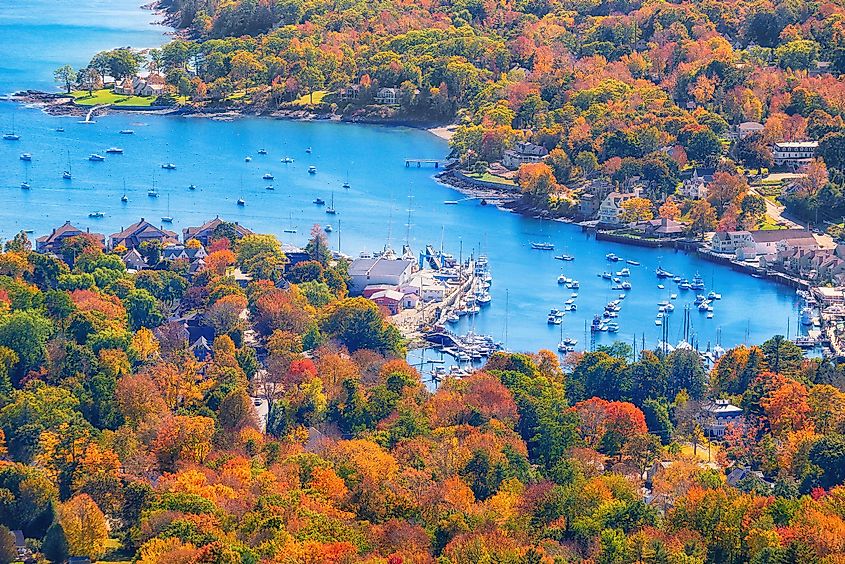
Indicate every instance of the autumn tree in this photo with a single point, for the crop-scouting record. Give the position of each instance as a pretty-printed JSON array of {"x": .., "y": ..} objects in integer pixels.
[
  {"x": 636, "y": 209},
  {"x": 84, "y": 526}
]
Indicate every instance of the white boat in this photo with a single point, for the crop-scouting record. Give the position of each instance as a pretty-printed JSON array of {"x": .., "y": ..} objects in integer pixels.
[
  {"x": 450, "y": 203},
  {"x": 247, "y": 159},
  {"x": 262, "y": 151},
  {"x": 624, "y": 272},
  {"x": 661, "y": 287},
  {"x": 12, "y": 137},
  {"x": 712, "y": 295},
  {"x": 192, "y": 187},
  {"x": 308, "y": 150},
  {"x": 484, "y": 298},
  {"x": 709, "y": 315},
  {"x": 613, "y": 327},
  {"x": 330, "y": 210},
  {"x": 124, "y": 198},
  {"x": 328, "y": 229},
  {"x": 287, "y": 160},
  {"x": 168, "y": 166},
  {"x": 96, "y": 158},
  {"x": 268, "y": 176},
  {"x": 269, "y": 187},
  {"x": 127, "y": 132},
  {"x": 114, "y": 151},
  {"x": 626, "y": 285},
  {"x": 658, "y": 322},
  {"x": 453, "y": 318},
  {"x": 312, "y": 169},
  {"x": 25, "y": 185},
  {"x": 26, "y": 157},
  {"x": 96, "y": 214},
  {"x": 673, "y": 296},
  {"x": 241, "y": 202},
  {"x": 152, "y": 193},
  {"x": 562, "y": 279},
  {"x": 67, "y": 175},
  {"x": 167, "y": 219},
  {"x": 543, "y": 246},
  {"x": 807, "y": 316},
  {"x": 612, "y": 257}
]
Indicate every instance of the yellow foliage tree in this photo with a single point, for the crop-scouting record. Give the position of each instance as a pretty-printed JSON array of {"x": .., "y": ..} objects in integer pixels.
[{"x": 85, "y": 527}]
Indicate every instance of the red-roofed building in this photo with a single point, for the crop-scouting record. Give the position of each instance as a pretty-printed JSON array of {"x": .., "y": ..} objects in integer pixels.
[
  {"x": 52, "y": 243},
  {"x": 141, "y": 232}
]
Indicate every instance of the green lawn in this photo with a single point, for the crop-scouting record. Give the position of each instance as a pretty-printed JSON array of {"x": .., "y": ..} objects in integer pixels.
[
  {"x": 487, "y": 177},
  {"x": 306, "y": 99},
  {"x": 106, "y": 96}
]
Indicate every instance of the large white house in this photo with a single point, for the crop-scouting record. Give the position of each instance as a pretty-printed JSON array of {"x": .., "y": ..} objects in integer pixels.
[
  {"x": 794, "y": 153},
  {"x": 610, "y": 209},
  {"x": 727, "y": 242},
  {"x": 364, "y": 272}
]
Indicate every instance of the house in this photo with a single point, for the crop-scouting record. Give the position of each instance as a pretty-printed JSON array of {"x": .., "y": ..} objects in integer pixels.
[
  {"x": 149, "y": 85},
  {"x": 737, "y": 475},
  {"x": 524, "y": 152},
  {"x": 133, "y": 260},
  {"x": 695, "y": 187},
  {"x": 387, "y": 96},
  {"x": 773, "y": 240},
  {"x": 201, "y": 349},
  {"x": 376, "y": 288},
  {"x": 366, "y": 271},
  {"x": 177, "y": 252},
  {"x": 829, "y": 296},
  {"x": 78, "y": 560},
  {"x": 747, "y": 128},
  {"x": 20, "y": 544},
  {"x": 142, "y": 232},
  {"x": 350, "y": 92},
  {"x": 390, "y": 299},
  {"x": 588, "y": 205},
  {"x": 717, "y": 415},
  {"x": 727, "y": 242},
  {"x": 52, "y": 243},
  {"x": 794, "y": 153},
  {"x": 205, "y": 232},
  {"x": 610, "y": 209},
  {"x": 294, "y": 254},
  {"x": 661, "y": 228}
]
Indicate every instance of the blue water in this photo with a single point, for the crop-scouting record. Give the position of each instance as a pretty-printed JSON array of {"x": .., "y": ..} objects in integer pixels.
[{"x": 210, "y": 154}]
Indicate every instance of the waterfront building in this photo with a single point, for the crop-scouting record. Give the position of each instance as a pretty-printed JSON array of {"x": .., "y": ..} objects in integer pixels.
[
  {"x": 661, "y": 228},
  {"x": 773, "y": 240},
  {"x": 610, "y": 209},
  {"x": 727, "y": 242},
  {"x": 52, "y": 243},
  {"x": 828, "y": 296},
  {"x": 524, "y": 152},
  {"x": 149, "y": 85},
  {"x": 794, "y": 153},
  {"x": 350, "y": 92},
  {"x": 387, "y": 96},
  {"x": 390, "y": 299},
  {"x": 141, "y": 232},
  {"x": 205, "y": 231},
  {"x": 366, "y": 271}
]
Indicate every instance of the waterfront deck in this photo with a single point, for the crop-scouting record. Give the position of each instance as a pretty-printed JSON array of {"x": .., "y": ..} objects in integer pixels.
[{"x": 421, "y": 162}]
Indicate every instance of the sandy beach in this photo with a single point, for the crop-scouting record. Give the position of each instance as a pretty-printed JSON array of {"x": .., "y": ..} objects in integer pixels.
[{"x": 445, "y": 132}]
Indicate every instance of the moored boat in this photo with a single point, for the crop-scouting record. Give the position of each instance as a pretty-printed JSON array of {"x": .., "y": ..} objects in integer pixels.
[{"x": 543, "y": 246}]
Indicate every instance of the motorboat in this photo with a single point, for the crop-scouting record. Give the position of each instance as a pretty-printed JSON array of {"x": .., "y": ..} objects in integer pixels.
[
  {"x": 152, "y": 193},
  {"x": 565, "y": 257},
  {"x": 673, "y": 296},
  {"x": 452, "y": 318},
  {"x": 606, "y": 275},
  {"x": 807, "y": 316},
  {"x": 269, "y": 187},
  {"x": 262, "y": 151},
  {"x": 562, "y": 279},
  {"x": 25, "y": 185},
  {"x": 312, "y": 169},
  {"x": 574, "y": 285},
  {"x": 124, "y": 198},
  {"x": 96, "y": 158},
  {"x": 26, "y": 157},
  {"x": 308, "y": 150},
  {"x": 450, "y": 203},
  {"x": 328, "y": 229},
  {"x": 624, "y": 272},
  {"x": 632, "y": 262},
  {"x": 697, "y": 282},
  {"x": 543, "y": 246},
  {"x": 114, "y": 151},
  {"x": 96, "y": 214},
  {"x": 60, "y": 130},
  {"x": 320, "y": 201},
  {"x": 127, "y": 132},
  {"x": 626, "y": 285},
  {"x": 192, "y": 187},
  {"x": 247, "y": 159},
  {"x": 662, "y": 273},
  {"x": 612, "y": 257},
  {"x": 684, "y": 285},
  {"x": 168, "y": 166},
  {"x": 268, "y": 176},
  {"x": 613, "y": 327},
  {"x": 241, "y": 202},
  {"x": 287, "y": 160},
  {"x": 484, "y": 298},
  {"x": 167, "y": 219},
  {"x": 661, "y": 287},
  {"x": 712, "y": 295}
]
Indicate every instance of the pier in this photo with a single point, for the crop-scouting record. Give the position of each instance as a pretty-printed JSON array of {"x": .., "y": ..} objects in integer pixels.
[{"x": 420, "y": 162}]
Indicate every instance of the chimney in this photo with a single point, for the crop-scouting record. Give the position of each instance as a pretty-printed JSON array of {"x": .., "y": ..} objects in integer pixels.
[{"x": 88, "y": 230}]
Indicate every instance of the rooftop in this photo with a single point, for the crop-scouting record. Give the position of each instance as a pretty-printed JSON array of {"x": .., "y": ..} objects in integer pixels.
[{"x": 378, "y": 267}]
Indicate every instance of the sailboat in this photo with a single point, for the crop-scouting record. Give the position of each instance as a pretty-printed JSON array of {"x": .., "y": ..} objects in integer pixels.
[
  {"x": 330, "y": 210},
  {"x": 152, "y": 192},
  {"x": 12, "y": 136},
  {"x": 124, "y": 198},
  {"x": 168, "y": 218},
  {"x": 346, "y": 184},
  {"x": 25, "y": 184},
  {"x": 67, "y": 174},
  {"x": 290, "y": 229}
]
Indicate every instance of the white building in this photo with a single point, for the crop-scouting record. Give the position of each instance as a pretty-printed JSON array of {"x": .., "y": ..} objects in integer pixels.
[
  {"x": 727, "y": 242},
  {"x": 388, "y": 96},
  {"x": 718, "y": 415},
  {"x": 794, "y": 153},
  {"x": 524, "y": 152},
  {"x": 364, "y": 272},
  {"x": 610, "y": 209}
]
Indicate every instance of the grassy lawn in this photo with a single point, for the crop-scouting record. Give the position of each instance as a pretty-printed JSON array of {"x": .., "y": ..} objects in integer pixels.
[
  {"x": 107, "y": 96},
  {"x": 306, "y": 99},
  {"x": 768, "y": 224},
  {"x": 687, "y": 449},
  {"x": 487, "y": 177}
]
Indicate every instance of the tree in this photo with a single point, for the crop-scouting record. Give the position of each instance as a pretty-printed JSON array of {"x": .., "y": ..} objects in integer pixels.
[
  {"x": 669, "y": 209},
  {"x": 261, "y": 256},
  {"x": 725, "y": 189},
  {"x": 783, "y": 356},
  {"x": 26, "y": 334},
  {"x": 90, "y": 80},
  {"x": 537, "y": 182},
  {"x": 54, "y": 545},
  {"x": 703, "y": 217},
  {"x": 797, "y": 55},
  {"x": 636, "y": 209},
  {"x": 65, "y": 76},
  {"x": 357, "y": 323},
  {"x": 832, "y": 150},
  {"x": 143, "y": 310},
  {"x": 84, "y": 526},
  {"x": 754, "y": 152},
  {"x": 8, "y": 551}
]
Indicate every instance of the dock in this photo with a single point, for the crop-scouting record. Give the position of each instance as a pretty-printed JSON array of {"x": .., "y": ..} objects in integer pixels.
[{"x": 420, "y": 162}]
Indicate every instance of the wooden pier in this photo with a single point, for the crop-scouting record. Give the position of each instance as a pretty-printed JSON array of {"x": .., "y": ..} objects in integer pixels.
[{"x": 420, "y": 162}]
